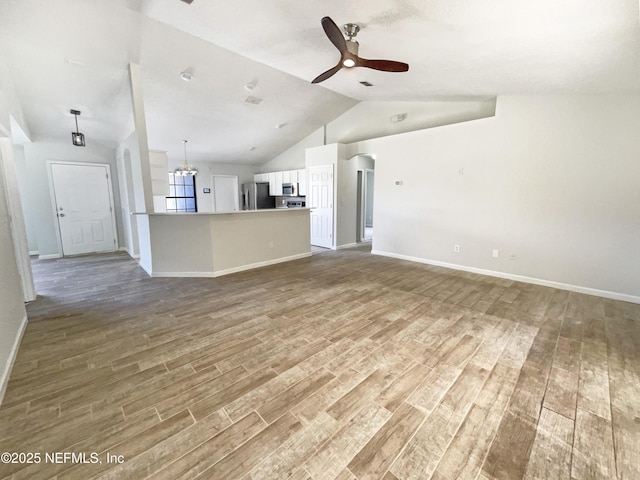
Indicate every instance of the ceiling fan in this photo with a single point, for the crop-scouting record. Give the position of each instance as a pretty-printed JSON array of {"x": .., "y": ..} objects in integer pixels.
[{"x": 349, "y": 52}]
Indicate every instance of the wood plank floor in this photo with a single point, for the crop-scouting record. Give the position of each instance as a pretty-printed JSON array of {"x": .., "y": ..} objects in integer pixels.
[{"x": 340, "y": 366}]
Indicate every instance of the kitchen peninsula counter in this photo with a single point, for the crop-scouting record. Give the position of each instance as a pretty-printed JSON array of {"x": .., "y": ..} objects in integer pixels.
[{"x": 211, "y": 244}]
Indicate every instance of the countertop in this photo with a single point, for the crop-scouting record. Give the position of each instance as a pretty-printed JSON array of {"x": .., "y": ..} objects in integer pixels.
[{"x": 234, "y": 212}]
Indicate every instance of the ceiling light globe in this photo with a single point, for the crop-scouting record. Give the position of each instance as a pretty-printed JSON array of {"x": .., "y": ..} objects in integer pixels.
[{"x": 349, "y": 62}]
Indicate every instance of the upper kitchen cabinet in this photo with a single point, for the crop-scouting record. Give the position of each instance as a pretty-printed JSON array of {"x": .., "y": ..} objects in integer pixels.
[
  {"x": 275, "y": 183},
  {"x": 159, "y": 164},
  {"x": 277, "y": 179},
  {"x": 302, "y": 182}
]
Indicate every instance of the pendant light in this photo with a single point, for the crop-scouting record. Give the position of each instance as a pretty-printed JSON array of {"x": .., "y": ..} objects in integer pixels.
[
  {"x": 185, "y": 169},
  {"x": 76, "y": 137}
]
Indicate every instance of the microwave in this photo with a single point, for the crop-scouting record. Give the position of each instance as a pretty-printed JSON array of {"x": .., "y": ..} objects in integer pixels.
[{"x": 289, "y": 189}]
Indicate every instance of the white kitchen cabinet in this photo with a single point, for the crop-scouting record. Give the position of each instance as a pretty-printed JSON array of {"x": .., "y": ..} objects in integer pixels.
[
  {"x": 276, "y": 179},
  {"x": 302, "y": 182},
  {"x": 272, "y": 183},
  {"x": 279, "y": 182},
  {"x": 275, "y": 183},
  {"x": 159, "y": 166}
]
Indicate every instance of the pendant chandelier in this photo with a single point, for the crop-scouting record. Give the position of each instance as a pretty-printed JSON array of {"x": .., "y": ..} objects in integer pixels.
[
  {"x": 185, "y": 169},
  {"x": 76, "y": 137}
]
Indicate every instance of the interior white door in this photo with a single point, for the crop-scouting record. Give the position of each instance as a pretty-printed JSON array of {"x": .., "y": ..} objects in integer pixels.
[
  {"x": 83, "y": 205},
  {"x": 320, "y": 199},
  {"x": 225, "y": 193}
]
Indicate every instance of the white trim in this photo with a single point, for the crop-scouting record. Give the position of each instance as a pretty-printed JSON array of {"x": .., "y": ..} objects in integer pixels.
[
  {"x": 49, "y": 257},
  {"x": 518, "y": 278},
  {"x": 34, "y": 253},
  {"x": 228, "y": 271},
  {"x": 347, "y": 245},
  {"x": 4, "y": 379}
]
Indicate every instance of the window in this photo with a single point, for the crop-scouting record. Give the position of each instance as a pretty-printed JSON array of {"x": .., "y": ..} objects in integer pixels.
[{"x": 182, "y": 193}]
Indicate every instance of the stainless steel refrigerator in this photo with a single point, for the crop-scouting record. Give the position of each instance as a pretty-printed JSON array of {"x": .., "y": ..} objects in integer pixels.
[{"x": 255, "y": 196}]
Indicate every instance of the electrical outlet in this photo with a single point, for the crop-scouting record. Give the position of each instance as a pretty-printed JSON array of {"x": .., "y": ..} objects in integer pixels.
[
  {"x": 456, "y": 248},
  {"x": 495, "y": 253}
]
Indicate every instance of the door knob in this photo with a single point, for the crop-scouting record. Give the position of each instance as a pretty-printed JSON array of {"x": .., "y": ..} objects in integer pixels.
[{"x": 61, "y": 214}]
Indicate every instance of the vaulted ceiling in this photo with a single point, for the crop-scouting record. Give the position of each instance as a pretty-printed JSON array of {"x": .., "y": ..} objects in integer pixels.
[{"x": 65, "y": 54}]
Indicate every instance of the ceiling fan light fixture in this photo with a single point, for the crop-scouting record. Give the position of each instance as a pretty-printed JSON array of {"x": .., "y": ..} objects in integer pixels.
[
  {"x": 185, "y": 169},
  {"x": 77, "y": 138},
  {"x": 348, "y": 49}
]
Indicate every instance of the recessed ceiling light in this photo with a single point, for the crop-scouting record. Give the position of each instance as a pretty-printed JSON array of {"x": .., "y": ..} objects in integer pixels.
[
  {"x": 281, "y": 125},
  {"x": 249, "y": 86},
  {"x": 186, "y": 76},
  {"x": 366, "y": 84},
  {"x": 251, "y": 149},
  {"x": 398, "y": 118}
]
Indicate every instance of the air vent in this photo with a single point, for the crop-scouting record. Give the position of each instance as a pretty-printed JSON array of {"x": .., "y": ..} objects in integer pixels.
[
  {"x": 253, "y": 100},
  {"x": 398, "y": 118},
  {"x": 366, "y": 84}
]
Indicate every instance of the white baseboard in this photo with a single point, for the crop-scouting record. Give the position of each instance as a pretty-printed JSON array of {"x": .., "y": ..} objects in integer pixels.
[
  {"x": 4, "y": 379},
  {"x": 34, "y": 253},
  {"x": 518, "y": 278},
  {"x": 50, "y": 256},
  {"x": 228, "y": 271},
  {"x": 348, "y": 245}
]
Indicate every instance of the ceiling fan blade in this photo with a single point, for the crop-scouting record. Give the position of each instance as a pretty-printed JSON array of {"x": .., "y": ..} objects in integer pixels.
[
  {"x": 384, "y": 65},
  {"x": 329, "y": 73},
  {"x": 334, "y": 34}
]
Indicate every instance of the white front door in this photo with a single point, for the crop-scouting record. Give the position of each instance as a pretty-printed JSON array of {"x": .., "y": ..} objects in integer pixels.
[
  {"x": 225, "y": 193},
  {"x": 84, "y": 208},
  {"x": 320, "y": 199}
]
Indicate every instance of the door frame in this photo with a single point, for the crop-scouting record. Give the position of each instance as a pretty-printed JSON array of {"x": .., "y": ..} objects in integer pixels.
[{"x": 52, "y": 194}]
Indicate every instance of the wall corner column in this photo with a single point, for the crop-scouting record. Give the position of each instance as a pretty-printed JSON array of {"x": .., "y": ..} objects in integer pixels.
[{"x": 140, "y": 123}]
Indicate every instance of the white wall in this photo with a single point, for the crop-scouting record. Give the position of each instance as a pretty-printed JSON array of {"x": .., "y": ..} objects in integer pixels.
[
  {"x": 294, "y": 157},
  {"x": 553, "y": 181},
  {"x": 204, "y": 180},
  {"x": 37, "y": 197},
  {"x": 131, "y": 191},
  {"x": 347, "y": 194},
  {"x": 13, "y": 315},
  {"x": 372, "y": 119},
  {"x": 30, "y": 224},
  {"x": 223, "y": 243}
]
